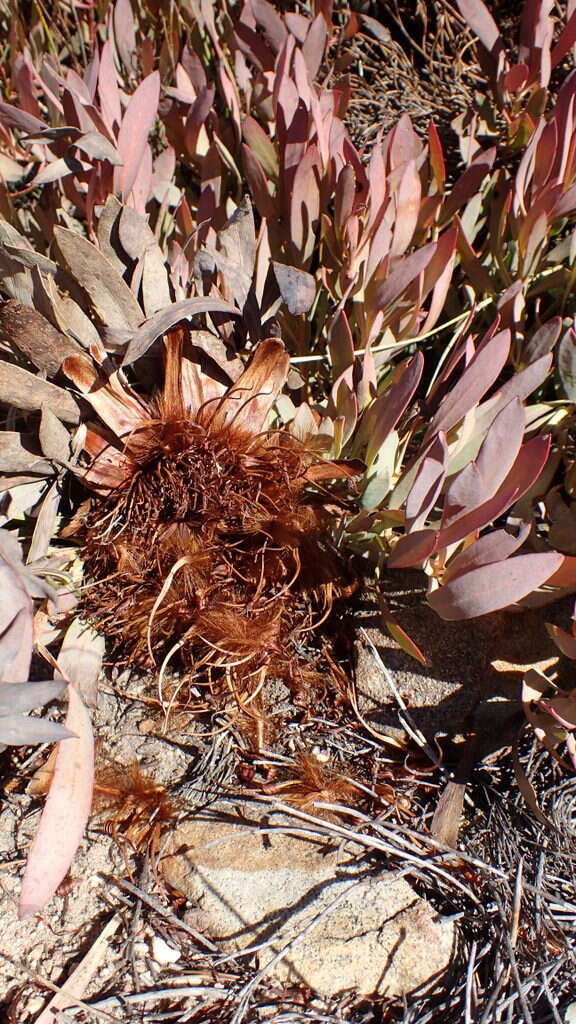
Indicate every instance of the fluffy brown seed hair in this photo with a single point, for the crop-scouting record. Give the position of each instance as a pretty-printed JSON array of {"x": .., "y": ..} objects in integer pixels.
[{"x": 212, "y": 544}]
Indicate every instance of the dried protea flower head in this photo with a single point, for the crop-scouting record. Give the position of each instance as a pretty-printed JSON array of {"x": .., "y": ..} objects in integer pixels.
[{"x": 208, "y": 533}]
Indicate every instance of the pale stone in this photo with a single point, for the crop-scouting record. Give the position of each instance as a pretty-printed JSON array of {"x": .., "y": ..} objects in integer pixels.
[
  {"x": 162, "y": 952},
  {"x": 257, "y": 887}
]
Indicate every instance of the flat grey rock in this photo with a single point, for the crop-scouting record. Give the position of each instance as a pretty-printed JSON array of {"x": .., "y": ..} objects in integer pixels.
[{"x": 342, "y": 925}]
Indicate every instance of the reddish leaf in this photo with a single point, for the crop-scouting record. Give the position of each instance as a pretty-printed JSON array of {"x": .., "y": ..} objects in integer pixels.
[
  {"x": 519, "y": 386},
  {"x": 305, "y": 204},
  {"x": 341, "y": 344},
  {"x": 15, "y": 118},
  {"x": 526, "y": 470},
  {"x": 388, "y": 407},
  {"x": 493, "y": 586},
  {"x": 469, "y": 182},
  {"x": 542, "y": 341},
  {"x": 474, "y": 382},
  {"x": 65, "y": 814},
  {"x": 136, "y": 126},
  {"x": 406, "y": 269},
  {"x": 108, "y": 89},
  {"x": 480, "y": 480},
  {"x": 427, "y": 484},
  {"x": 344, "y": 198},
  {"x": 565, "y": 41},
  {"x": 270, "y": 22},
  {"x": 413, "y": 549},
  {"x": 436, "y": 156},
  {"x": 407, "y": 209},
  {"x": 314, "y": 46},
  {"x": 125, "y": 33},
  {"x": 438, "y": 275},
  {"x": 493, "y": 547},
  {"x": 403, "y": 143}
]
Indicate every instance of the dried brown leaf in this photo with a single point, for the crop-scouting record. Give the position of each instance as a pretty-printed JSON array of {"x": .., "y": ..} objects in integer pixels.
[
  {"x": 25, "y": 390},
  {"x": 32, "y": 334}
]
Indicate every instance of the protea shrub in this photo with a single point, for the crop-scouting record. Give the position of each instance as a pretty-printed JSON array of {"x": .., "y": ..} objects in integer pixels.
[{"x": 208, "y": 528}]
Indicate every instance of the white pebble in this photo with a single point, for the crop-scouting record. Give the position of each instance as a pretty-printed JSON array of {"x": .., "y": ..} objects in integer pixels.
[{"x": 163, "y": 953}]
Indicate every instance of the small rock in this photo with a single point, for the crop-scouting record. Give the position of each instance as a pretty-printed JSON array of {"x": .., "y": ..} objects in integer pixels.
[
  {"x": 162, "y": 952},
  {"x": 368, "y": 932}
]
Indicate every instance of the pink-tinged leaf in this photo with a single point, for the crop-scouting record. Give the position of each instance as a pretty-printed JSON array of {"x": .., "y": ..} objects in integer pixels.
[
  {"x": 136, "y": 126},
  {"x": 297, "y": 288},
  {"x": 108, "y": 89},
  {"x": 427, "y": 484},
  {"x": 493, "y": 586},
  {"x": 314, "y": 46},
  {"x": 388, "y": 407},
  {"x": 479, "y": 480},
  {"x": 341, "y": 345},
  {"x": 196, "y": 118},
  {"x": 478, "y": 18},
  {"x": 344, "y": 198},
  {"x": 300, "y": 73},
  {"x": 407, "y": 209},
  {"x": 141, "y": 190},
  {"x": 406, "y": 270},
  {"x": 57, "y": 170},
  {"x": 413, "y": 549},
  {"x": 542, "y": 341},
  {"x": 565, "y": 41},
  {"x": 438, "y": 275},
  {"x": 521, "y": 385},
  {"x": 65, "y": 814},
  {"x": 468, "y": 184},
  {"x": 436, "y": 157},
  {"x": 16, "y": 118},
  {"x": 91, "y": 74},
  {"x": 474, "y": 382},
  {"x": 270, "y": 22},
  {"x": 125, "y": 33},
  {"x": 377, "y": 183},
  {"x": 403, "y": 143},
  {"x": 526, "y": 470},
  {"x": 305, "y": 204},
  {"x": 493, "y": 547},
  {"x": 565, "y": 642}
]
